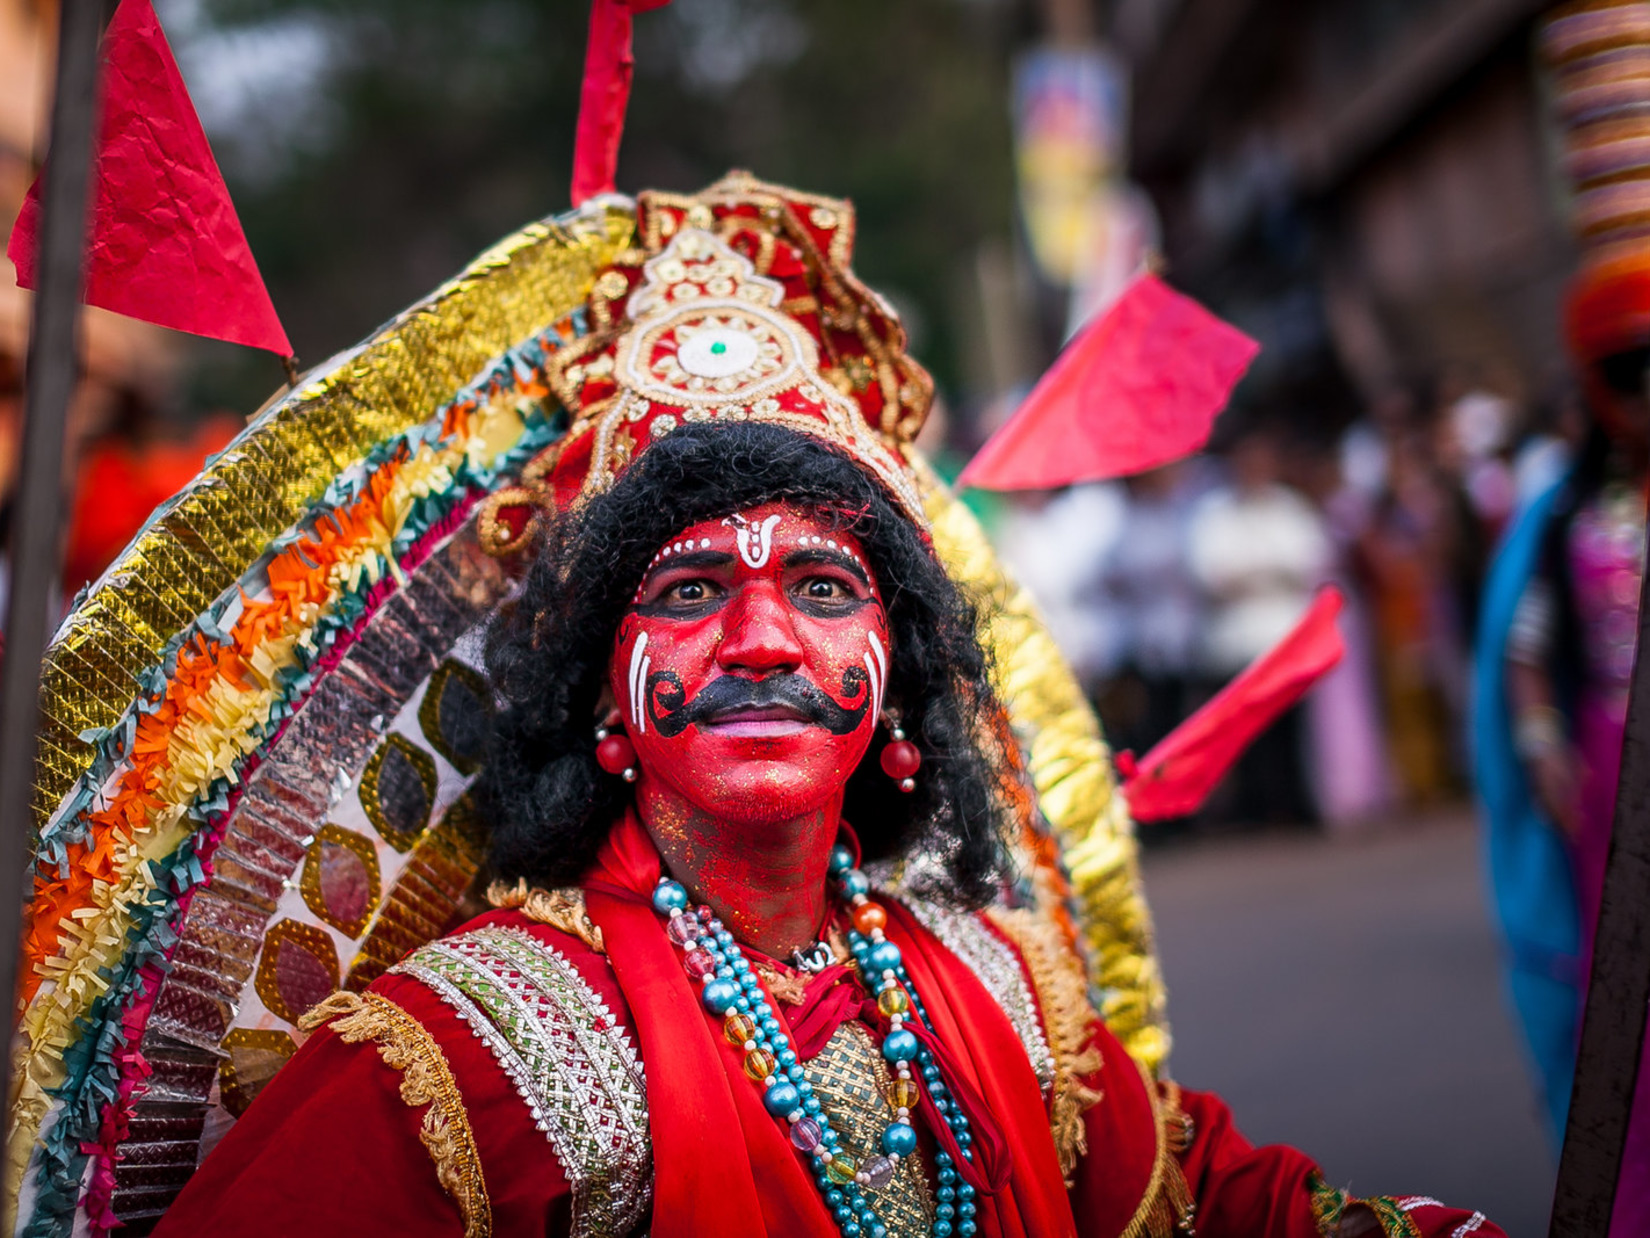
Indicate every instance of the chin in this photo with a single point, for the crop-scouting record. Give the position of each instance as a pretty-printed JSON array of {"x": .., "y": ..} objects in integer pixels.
[{"x": 770, "y": 792}]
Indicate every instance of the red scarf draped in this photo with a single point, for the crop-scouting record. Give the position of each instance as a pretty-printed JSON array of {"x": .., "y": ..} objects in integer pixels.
[{"x": 722, "y": 1164}]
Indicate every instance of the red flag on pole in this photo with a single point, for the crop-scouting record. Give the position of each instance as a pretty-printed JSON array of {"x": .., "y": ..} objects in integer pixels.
[
  {"x": 165, "y": 244},
  {"x": 1176, "y": 776},
  {"x": 608, "y": 68},
  {"x": 1137, "y": 388}
]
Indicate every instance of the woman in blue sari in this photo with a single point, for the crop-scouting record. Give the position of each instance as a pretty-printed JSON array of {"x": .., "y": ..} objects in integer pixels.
[{"x": 1555, "y": 654}]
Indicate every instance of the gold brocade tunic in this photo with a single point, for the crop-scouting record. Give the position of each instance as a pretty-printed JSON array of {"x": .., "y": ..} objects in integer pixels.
[{"x": 851, "y": 1081}]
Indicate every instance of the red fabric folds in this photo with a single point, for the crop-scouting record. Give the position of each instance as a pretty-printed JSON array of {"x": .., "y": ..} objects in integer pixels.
[
  {"x": 722, "y": 1164},
  {"x": 609, "y": 65},
  {"x": 1607, "y": 308},
  {"x": 165, "y": 244},
  {"x": 1137, "y": 388},
  {"x": 713, "y": 1142},
  {"x": 986, "y": 1051},
  {"x": 826, "y": 1006},
  {"x": 1176, "y": 776}
]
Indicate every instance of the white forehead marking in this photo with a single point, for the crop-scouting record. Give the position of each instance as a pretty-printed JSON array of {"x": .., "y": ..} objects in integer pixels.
[
  {"x": 638, "y": 673},
  {"x": 755, "y": 540}
]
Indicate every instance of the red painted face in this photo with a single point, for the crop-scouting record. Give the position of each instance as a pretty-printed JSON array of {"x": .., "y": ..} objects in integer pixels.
[{"x": 750, "y": 669}]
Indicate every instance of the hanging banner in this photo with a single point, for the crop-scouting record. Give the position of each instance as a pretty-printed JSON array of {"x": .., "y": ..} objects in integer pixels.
[{"x": 1070, "y": 113}]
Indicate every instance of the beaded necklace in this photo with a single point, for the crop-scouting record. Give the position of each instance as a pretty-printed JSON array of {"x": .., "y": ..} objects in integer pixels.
[{"x": 732, "y": 990}]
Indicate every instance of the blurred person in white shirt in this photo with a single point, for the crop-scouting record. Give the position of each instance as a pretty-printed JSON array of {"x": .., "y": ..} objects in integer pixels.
[{"x": 1259, "y": 550}]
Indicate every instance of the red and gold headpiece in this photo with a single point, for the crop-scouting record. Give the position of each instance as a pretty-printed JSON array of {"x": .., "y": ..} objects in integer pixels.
[{"x": 736, "y": 304}]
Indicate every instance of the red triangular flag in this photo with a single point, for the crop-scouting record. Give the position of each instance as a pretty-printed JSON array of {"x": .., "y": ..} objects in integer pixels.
[
  {"x": 1176, "y": 776},
  {"x": 604, "y": 95},
  {"x": 1137, "y": 388},
  {"x": 165, "y": 244}
]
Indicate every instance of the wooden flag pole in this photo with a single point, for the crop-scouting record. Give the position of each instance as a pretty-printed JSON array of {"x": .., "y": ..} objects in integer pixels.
[
  {"x": 1618, "y": 994},
  {"x": 37, "y": 517}
]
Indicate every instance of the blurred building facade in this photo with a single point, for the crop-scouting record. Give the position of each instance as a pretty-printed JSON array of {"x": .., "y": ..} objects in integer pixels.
[{"x": 1367, "y": 186}]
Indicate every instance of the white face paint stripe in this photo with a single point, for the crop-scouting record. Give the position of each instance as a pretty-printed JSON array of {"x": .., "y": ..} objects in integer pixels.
[
  {"x": 636, "y": 673},
  {"x": 881, "y": 676},
  {"x": 876, "y": 685},
  {"x": 641, "y": 695}
]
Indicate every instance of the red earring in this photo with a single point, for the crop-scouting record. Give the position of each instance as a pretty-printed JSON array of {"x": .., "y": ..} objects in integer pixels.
[
  {"x": 615, "y": 754},
  {"x": 901, "y": 760}
]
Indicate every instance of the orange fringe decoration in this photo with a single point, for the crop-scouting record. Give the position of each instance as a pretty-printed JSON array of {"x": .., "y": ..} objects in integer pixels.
[{"x": 298, "y": 583}]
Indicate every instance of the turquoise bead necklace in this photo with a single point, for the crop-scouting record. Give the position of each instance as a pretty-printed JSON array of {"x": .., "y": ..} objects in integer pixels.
[{"x": 732, "y": 991}]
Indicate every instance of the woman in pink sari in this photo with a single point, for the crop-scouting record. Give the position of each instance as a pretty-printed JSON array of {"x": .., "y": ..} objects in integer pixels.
[{"x": 1555, "y": 660}]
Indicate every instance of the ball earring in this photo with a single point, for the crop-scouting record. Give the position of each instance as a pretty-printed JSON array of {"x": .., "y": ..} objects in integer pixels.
[
  {"x": 901, "y": 759},
  {"x": 615, "y": 754}
]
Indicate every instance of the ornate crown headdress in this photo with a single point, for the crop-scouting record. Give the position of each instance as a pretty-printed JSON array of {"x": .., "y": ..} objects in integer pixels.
[{"x": 736, "y": 304}]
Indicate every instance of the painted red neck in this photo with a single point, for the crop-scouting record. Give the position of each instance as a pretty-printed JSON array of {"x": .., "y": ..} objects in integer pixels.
[{"x": 766, "y": 881}]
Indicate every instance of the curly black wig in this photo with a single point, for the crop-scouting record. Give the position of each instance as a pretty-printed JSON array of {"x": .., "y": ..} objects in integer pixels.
[{"x": 550, "y": 803}]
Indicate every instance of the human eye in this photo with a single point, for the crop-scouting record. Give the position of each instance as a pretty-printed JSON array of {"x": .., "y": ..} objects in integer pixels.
[
  {"x": 689, "y": 593},
  {"x": 824, "y": 589},
  {"x": 826, "y": 594}
]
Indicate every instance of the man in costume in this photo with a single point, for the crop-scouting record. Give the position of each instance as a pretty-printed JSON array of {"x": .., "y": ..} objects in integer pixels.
[{"x": 761, "y": 960}]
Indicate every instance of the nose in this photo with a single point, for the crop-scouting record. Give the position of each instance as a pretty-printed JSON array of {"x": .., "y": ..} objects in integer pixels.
[{"x": 759, "y": 639}]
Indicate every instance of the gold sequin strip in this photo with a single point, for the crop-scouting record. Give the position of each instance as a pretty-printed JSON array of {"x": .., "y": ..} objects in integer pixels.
[
  {"x": 571, "y": 1062},
  {"x": 283, "y": 462},
  {"x": 1071, "y": 769},
  {"x": 426, "y": 1079}
]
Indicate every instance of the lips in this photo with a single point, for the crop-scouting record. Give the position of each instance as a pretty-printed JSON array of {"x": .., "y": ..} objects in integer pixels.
[{"x": 758, "y": 721}]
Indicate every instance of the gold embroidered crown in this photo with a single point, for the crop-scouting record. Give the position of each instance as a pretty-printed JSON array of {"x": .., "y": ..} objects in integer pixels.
[{"x": 735, "y": 304}]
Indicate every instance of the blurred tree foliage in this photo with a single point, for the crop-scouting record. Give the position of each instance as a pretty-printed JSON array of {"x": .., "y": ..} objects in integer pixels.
[{"x": 376, "y": 145}]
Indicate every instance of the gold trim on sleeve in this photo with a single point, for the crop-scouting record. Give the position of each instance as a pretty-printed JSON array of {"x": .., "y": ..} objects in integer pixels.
[
  {"x": 1329, "y": 1205},
  {"x": 1167, "y": 1209},
  {"x": 426, "y": 1079}
]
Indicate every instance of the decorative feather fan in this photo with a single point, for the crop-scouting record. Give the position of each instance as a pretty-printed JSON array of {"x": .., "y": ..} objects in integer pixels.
[{"x": 260, "y": 726}]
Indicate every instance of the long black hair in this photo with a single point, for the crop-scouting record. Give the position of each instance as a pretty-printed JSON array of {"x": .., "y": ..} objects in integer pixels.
[{"x": 550, "y": 804}]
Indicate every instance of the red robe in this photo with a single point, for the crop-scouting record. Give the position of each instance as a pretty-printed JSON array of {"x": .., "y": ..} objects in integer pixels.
[{"x": 333, "y": 1144}]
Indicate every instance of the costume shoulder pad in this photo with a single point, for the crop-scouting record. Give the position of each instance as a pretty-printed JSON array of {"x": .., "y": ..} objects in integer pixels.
[{"x": 567, "y": 1054}]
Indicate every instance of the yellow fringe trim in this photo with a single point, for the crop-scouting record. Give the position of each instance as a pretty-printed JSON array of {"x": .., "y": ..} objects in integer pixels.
[
  {"x": 562, "y": 909},
  {"x": 1061, "y": 983},
  {"x": 426, "y": 1079},
  {"x": 1167, "y": 1208}
]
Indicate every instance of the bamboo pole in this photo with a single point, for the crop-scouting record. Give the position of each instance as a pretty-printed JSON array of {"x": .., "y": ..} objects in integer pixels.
[
  {"x": 37, "y": 517},
  {"x": 1618, "y": 993}
]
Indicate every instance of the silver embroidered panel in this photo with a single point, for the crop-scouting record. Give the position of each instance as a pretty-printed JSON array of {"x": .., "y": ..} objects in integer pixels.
[
  {"x": 571, "y": 1062},
  {"x": 994, "y": 963}
]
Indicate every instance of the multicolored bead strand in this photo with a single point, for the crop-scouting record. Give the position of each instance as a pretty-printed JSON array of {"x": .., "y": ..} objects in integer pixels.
[
  {"x": 732, "y": 990},
  {"x": 881, "y": 966}
]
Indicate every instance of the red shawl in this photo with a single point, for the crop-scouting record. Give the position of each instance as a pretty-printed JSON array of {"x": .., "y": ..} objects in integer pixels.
[{"x": 720, "y": 1161}]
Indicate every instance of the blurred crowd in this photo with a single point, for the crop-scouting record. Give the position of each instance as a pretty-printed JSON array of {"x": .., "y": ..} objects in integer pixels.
[{"x": 1162, "y": 587}]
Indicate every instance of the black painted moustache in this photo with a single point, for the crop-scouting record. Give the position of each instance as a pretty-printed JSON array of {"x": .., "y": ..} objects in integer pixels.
[{"x": 671, "y": 713}]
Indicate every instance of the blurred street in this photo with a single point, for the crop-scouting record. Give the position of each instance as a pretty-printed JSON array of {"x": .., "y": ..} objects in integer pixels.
[{"x": 1341, "y": 994}]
